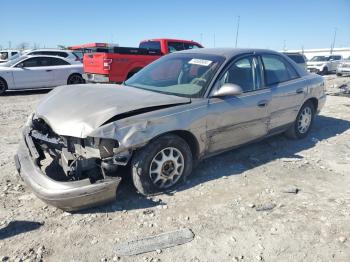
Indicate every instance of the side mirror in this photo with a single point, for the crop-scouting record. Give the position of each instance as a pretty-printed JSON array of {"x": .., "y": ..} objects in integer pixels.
[
  {"x": 228, "y": 90},
  {"x": 20, "y": 65}
]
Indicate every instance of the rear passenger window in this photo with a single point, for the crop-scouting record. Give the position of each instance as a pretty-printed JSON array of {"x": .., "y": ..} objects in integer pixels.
[
  {"x": 175, "y": 46},
  {"x": 191, "y": 46},
  {"x": 277, "y": 70},
  {"x": 57, "y": 62}
]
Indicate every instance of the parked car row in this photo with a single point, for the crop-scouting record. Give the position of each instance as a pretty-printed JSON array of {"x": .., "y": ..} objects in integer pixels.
[{"x": 344, "y": 67}]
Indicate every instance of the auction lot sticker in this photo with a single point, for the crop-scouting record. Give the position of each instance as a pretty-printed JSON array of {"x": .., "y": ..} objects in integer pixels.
[{"x": 201, "y": 62}]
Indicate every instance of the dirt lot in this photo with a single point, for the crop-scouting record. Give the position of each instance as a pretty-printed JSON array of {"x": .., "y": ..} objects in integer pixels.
[{"x": 219, "y": 203}]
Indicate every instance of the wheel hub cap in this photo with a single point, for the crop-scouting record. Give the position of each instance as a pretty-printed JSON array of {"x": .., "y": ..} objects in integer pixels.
[
  {"x": 304, "y": 120},
  {"x": 166, "y": 167}
]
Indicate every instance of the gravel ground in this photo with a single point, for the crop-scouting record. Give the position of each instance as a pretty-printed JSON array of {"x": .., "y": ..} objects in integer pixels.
[{"x": 276, "y": 200}]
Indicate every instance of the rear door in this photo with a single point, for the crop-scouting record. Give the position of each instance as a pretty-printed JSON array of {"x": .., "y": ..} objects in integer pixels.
[
  {"x": 33, "y": 72},
  {"x": 233, "y": 121},
  {"x": 61, "y": 70},
  {"x": 287, "y": 88}
]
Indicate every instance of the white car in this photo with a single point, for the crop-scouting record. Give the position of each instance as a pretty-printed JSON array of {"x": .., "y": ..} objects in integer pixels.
[
  {"x": 6, "y": 55},
  {"x": 68, "y": 54},
  {"x": 344, "y": 67},
  {"x": 324, "y": 64},
  {"x": 31, "y": 72}
]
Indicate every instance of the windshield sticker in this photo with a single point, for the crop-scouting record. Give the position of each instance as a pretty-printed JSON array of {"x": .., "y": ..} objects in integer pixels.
[{"x": 201, "y": 62}]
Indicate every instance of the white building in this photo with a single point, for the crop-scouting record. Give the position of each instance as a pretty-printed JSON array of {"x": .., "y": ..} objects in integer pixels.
[{"x": 310, "y": 53}]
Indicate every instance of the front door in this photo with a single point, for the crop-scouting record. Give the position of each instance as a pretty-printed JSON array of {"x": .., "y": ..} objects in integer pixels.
[
  {"x": 233, "y": 121},
  {"x": 33, "y": 72}
]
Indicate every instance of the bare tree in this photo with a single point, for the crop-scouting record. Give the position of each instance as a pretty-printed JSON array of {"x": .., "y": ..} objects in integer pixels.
[{"x": 23, "y": 46}]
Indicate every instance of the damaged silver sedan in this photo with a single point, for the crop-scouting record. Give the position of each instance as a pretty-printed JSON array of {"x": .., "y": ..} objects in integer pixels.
[{"x": 178, "y": 110}]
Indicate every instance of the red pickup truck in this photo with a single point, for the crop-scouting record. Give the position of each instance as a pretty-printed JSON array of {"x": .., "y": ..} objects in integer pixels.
[{"x": 120, "y": 63}]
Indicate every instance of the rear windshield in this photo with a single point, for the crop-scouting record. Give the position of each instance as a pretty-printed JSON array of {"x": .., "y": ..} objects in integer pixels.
[
  {"x": 150, "y": 45},
  {"x": 299, "y": 59},
  {"x": 4, "y": 55}
]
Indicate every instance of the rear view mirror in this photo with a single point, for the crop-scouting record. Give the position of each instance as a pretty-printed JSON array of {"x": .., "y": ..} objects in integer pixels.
[{"x": 228, "y": 90}]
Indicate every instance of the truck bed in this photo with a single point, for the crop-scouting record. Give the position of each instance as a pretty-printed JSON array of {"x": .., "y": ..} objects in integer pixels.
[{"x": 118, "y": 64}]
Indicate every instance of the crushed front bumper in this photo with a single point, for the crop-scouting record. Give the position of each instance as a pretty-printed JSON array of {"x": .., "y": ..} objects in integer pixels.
[{"x": 69, "y": 196}]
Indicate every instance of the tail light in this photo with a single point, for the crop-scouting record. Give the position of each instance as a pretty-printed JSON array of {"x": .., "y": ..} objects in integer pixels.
[{"x": 107, "y": 64}]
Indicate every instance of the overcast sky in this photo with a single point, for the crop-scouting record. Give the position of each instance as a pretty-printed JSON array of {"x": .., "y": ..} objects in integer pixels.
[{"x": 263, "y": 24}]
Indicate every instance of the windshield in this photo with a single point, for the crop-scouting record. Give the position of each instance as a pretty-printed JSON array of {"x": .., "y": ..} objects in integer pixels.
[
  {"x": 319, "y": 59},
  {"x": 186, "y": 75},
  {"x": 13, "y": 61}
]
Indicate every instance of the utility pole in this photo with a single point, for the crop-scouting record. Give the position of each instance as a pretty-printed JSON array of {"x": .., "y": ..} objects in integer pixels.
[
  {"x": 10, "y": 44},
  {"x": 237, "y": 31},
  {"x": 201, "y": 42},
  {"x": 284, "y": 45},
  {"x": 333, "y": 43},
  {"x": 214, "y": 40}
]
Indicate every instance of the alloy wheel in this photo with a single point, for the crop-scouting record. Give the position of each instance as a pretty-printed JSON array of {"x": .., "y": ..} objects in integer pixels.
[
  {"x": 304, "y": 120},
  {"x": 166, "y": 167}
]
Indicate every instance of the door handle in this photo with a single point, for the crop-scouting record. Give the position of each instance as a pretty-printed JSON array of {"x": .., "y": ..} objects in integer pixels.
[
  {"x": 300, "y": 91},
  {"x": 263, "y": 103},
  {"x": 48, "y": 70}
]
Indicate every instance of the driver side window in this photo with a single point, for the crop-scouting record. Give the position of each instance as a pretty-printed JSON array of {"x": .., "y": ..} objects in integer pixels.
[
  {"x": 30, "y": 62},
  {"x": 241, "y": 73}
]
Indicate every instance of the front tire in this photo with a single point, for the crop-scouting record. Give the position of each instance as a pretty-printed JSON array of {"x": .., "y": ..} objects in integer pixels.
[
  {"x": 324, "y": 71},
  {"x": 75, "y": 79},
  {"x": 303, "y": 122},
  {"x": 3, "y": 86},
  {"x": 161, "y": 165}
]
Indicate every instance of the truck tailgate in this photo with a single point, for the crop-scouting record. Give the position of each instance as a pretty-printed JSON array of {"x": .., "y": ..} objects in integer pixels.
[{"x": 96, "y": 63}]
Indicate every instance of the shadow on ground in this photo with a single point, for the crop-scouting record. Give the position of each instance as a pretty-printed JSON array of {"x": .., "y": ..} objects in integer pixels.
[
  {"x": 231, "y": 163},
  {"x": 18, "y": 227},
  {"x": 27, "y": 92}
]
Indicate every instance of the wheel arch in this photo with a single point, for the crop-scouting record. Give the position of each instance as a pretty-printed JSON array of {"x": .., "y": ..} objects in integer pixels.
[
  {"x": 189, "y": 138},
  {"x": 3, "y": 79},
  {"x": 314, "y": 101},
  {"x": 5, "y": 82}
]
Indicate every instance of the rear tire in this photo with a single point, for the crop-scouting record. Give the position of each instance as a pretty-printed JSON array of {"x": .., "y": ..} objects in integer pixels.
[
  {"x": 75, "y": 79},
  {"x": 161, "y": 165},
  {"x": 303, "y": 122},
  {"x": 3, "y": 86}
]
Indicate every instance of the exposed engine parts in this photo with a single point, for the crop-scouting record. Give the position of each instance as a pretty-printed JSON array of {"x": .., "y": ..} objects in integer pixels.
[{"x": 92, "y": 158}]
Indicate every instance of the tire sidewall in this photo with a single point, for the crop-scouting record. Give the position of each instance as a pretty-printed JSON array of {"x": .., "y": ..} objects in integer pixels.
[
  {"x": 296, "y": 130},
  {"x": 142, "y": 159},
  {"x": 3, "y": 91},
  {"x": 73, "y": 75}
]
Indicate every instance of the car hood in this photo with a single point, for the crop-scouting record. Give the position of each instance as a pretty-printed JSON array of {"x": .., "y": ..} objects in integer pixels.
[
  {"x": 316, "y": 63},
  {"x": 77, "y": 110}
]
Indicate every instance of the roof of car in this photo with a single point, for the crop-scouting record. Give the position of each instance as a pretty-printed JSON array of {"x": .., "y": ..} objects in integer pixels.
[
  {"x": 226, "y": 52},
  {"x": 49, "y": 50},
  {"x": 53, "y": 56}
]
